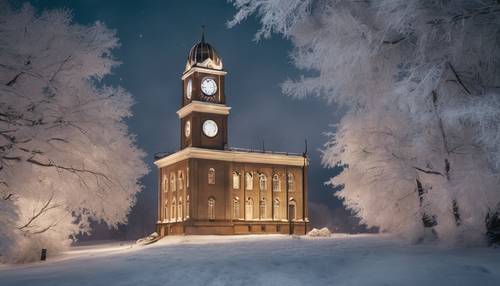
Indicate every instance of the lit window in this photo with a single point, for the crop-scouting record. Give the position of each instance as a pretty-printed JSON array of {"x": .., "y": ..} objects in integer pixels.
[
  {"x": 172, "y": 182},
  {"x": 211, "y": 208},
  {"x": 179, "y": 210},
  {"x": 180, "y": 180},
  {"x": 291, "y": 182},
  {"x": 236, "y": 180},
  {"x": 187, "y": 177},
  {"x": 248, "y": 181},
  {"x": 262, "y": 207},
  {"x": 262, "y": 182},
  {"x": 164, "y": 183},
  {"x": 172, "y": 210},
  {"x": 211, "y": 176},
  {"x": 276, "y": 183},
  {"x": 165, "y": 215},
  {"x": 276, "y": 209},
  {"x": 187, "y": 206},
  {"x": 249, "y": 209},
  {"x": 236, "y": 207}
]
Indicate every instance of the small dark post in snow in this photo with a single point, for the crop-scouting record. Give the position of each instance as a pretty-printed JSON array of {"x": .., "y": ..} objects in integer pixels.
[{"x": 44, "y": 254}]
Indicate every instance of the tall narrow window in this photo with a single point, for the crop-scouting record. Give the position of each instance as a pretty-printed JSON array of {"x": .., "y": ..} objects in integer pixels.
[
  {"x": 291, "y": 210},
  {"x": 211, "y": 176},
  {"x": 165, "y": 215},
  {"x": 291, "y": 183},
  {"x": 180, "y": 210},
  {"x": 248, "y": 181},
  {"x": 262, "y": 182},
  {"x": 211, "y": 208},
  {"x": 276, "y": 209},
  {"x": 236, "y": 180},
  {"x": 172, "y": 210},
  {"x": 276, "y": 183},
  {"x": 187, "y": 206},
  {"x": 187, "y": 177},
  {"x": 249, "y": 209},
  {"x": 180, "y": 180},
  {"x": 172, "y": 182},
  {"x": 262, "y": 208},
  {"x": 164, "y": 183},
  {"x": 236, "y": 207}
]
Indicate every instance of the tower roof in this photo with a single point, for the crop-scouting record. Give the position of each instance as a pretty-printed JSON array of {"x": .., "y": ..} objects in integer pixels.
[{"x": 202, "y": 54}]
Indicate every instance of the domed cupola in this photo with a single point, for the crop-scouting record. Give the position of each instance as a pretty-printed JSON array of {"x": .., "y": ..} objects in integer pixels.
[{"x": 203, "y": 55}]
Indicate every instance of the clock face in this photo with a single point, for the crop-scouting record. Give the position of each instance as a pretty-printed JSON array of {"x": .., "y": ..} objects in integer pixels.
[
  {"x": 208, "y": 86},
  {"x": 187, "y": 128},
  {"x": 189, "y": 89},
  {"x": 210, "y": 128}
]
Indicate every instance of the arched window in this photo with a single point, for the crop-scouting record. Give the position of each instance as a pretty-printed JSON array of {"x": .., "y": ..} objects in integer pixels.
[
  {"x": 236, "y": 180},
  {"x": 172, "y": 182},
  {"x": 236, "y": 207},
  {"x": 249, "y": 209},
  {"x": 262, "y": 182},
  {"x": 292, "y": 210},
  {"x": 291, "y": 183},
  {"x": 180, "y": 180},
  {"x": 276, "y": 183},
  {"x": 165, "y": 215},
  {"x": 276, "y": 209},
  {"x": 180, "y": 210},
  {"x": 262, "y": 208},
  {"x": 211, "y": 176},
  {"x": 164, "y": 184},
  {"x": 248, "y": 181},
  {"x": 187, "y": 206},
  {"x": 187, "y": 177},
  {"x": 172, "y": 210},
  {"x": 211, "y": 208}
]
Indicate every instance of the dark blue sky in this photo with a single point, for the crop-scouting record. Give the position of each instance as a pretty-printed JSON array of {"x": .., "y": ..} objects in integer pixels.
[{"x": 155, "y": 39}]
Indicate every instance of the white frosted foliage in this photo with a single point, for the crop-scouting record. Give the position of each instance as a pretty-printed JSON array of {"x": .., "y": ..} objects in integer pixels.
[
  {"x": 420, "y": 83},
  {"x": 66, "y": 154}
]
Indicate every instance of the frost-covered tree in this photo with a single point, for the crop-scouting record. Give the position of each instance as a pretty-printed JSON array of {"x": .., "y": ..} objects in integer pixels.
[
  {"x": 420, "y": 142},
  {"x": 66, "y": 156}
]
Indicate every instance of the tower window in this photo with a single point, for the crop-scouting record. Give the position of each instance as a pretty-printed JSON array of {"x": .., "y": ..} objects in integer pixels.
[
  {"x": 291, "y": 182},
  {"x": 236, "y": 180},
  {"x": 262, "y": 182},
  {"x": 172, "y": 182},
  {"x": 187, "y": 177},
  {"x": 248, "y": 181},
  {"x": 187, "y": 206},
  {"x": 211, "y": 176},
  {"x": 276, "y": 183},
  {"x": 211, "y": 208}
]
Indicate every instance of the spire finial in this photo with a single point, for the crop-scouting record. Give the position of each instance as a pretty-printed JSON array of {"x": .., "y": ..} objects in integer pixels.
[{"x": 203, "y": 33}]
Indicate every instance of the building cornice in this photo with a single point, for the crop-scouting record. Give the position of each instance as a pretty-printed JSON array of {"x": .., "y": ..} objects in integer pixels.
[
  {"x": 200, "y": 106},
  {"x": 232, "y": 156},
  {"x": 203, "y": 70}
]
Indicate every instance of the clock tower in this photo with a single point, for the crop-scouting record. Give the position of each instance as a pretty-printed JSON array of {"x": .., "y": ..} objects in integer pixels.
[
  {"x": 208, "y": 187},
  {"x": 203, "y": 111}
]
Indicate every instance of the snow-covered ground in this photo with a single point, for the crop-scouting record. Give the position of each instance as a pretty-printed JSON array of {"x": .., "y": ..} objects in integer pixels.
[{"x": 262, "y": 260}]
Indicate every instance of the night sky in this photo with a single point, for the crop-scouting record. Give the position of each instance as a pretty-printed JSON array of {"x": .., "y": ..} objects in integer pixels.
[{"x": 155, "y": 38}]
